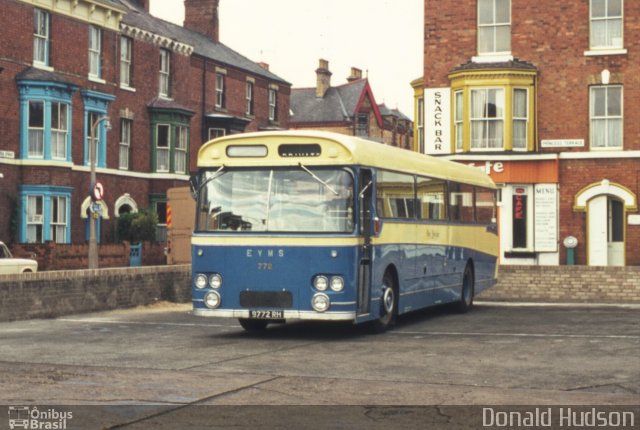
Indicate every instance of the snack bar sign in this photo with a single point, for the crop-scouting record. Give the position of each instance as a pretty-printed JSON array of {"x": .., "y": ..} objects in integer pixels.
[{"x": 437, "y": 120}]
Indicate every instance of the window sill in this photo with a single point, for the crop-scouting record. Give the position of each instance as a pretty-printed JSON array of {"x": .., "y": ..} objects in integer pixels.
[
  {"x": 492, "y": 58},
  {"x": 597, "y": 52},
  {"x": 43, "y": 67},
  {"x": 127, "y": 88},
  {"x": 97, "y": 80}
]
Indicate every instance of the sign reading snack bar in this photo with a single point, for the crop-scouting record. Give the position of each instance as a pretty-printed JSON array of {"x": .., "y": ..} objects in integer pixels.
[{"x": 437, "y": 120}]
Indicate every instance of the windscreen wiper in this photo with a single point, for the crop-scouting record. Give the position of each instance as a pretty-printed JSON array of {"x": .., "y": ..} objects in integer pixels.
[
  {"x": 216, "y": 175},
  {"x": 314, "y": 176}
]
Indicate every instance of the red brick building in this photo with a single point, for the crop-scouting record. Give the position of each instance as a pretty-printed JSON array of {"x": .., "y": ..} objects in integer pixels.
[
  {"x": 149, "y": 93},
  {"x": 544, "y": 96},
  {"x": 349, "y": 109}
]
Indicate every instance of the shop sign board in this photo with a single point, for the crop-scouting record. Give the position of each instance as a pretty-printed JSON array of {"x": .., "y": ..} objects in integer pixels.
[
  {"x": 546, "y": 217},
  {"x": 562, "y": 143},
  {"x": 437, "y": 120}
]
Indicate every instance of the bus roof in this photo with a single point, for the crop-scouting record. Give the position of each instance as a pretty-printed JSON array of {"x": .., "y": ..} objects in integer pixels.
[{"x": 321, "y": 148}]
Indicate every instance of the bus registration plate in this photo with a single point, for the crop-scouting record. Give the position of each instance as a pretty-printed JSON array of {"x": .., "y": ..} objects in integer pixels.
[{"x": 267, "y": 315}]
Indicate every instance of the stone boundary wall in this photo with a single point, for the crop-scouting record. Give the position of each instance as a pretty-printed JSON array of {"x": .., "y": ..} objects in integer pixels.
[
  {"x": 566, "y": 284},
  {"x": 57, "y": 293},
  {"x": 53, "y": 294}
]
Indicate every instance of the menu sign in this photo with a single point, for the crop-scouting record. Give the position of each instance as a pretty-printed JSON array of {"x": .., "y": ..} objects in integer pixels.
[{"x": 546, "y": 218}]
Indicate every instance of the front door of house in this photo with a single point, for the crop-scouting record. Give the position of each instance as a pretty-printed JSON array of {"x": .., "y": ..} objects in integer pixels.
[{"x": 605, "y": 235}]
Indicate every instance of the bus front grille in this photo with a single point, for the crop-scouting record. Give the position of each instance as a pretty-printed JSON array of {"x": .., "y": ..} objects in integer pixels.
[{"x": 266, "y": 299}]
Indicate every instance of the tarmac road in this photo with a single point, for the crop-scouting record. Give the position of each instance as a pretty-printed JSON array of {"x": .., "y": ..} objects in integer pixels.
[{"x": 156, "y": 367}]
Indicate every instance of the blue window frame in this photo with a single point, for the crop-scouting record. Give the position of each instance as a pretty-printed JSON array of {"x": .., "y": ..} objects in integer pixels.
[
  {"x": 96, "y": 105},
  {"x": 45, "y": 120},
  {"x": 45, "y": 214}
]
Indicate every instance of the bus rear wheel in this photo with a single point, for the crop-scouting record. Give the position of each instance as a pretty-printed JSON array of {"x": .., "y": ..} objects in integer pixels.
[
  {"x": 468, "y": 290},
  {"x": 389, "y": 304},
  {"x": 253, "y": 325}
]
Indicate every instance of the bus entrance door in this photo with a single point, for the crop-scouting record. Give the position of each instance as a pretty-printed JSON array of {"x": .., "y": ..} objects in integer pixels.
[{"x": 365, "y": 200}]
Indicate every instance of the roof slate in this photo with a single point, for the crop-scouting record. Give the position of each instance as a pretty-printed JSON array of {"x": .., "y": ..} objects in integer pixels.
[
  {"x": 513, "y": 64},
  {"x": 338, "y": 104},
  {"x": 202, "y": 45}
]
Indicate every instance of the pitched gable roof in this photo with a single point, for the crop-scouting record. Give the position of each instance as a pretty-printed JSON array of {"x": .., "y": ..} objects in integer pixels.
[{"x": 339, "y": 104}]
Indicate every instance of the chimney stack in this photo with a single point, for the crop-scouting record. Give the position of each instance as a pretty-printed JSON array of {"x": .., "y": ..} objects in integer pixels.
[
  {"x": 323, "y": 82},
  {"x": 144, "y": 4},
  {"x": 202, "y": 16},
  {"x": 264, "y": 65},
  {"x": 355, "y": 74}
]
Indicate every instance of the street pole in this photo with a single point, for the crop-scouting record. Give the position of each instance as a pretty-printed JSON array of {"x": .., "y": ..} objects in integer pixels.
[{"x": 93, "y": 149}]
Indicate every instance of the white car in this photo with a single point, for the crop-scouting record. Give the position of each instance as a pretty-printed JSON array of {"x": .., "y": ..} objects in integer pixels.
[{"x": 8, "y": 264}]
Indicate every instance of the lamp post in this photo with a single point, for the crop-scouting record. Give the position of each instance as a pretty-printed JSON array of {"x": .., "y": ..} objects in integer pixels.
[{"x": 93, "y": 149}]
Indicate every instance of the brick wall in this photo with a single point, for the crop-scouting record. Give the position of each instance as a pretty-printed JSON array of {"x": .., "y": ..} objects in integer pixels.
[
  {"x": 570, "y": 284},
  {"x": 53, "y": 294},
  {"x": 56, "y": 256}
]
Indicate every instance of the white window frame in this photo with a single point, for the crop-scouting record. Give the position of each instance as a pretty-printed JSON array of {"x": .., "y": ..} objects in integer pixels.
[
  {"x": 181, "y": 162},
  {"x": 165, "y": 73},
  {"x": 126, "y": 45},
  {"x": 59, "y": 135},
  {"x": 95, "y": 50},
  {"x": 36, "y": 133},
  {"x": 522, "y": 120},
  {"x": 41, "y": 37},
  {"x": 273, "y": 104},
  {"x": 420, "y": 125},
  {"x": 249, "y": 98},
  {"x": 220, "y": 90},
  {"x": 35, "y": 218},
  {"x": 125, "y": 143},
  {"x": 606, "y": 118},
  {"x": 493, "y": 28},
  {"x": 609, "y": 23},
  {"x": 487, "y": 119},
  {"x": 458, "y": 119},
  {"x": 214, "y": 133},
  {"x": 58, "y": 223},
  {"x": 166, "y": 150}
]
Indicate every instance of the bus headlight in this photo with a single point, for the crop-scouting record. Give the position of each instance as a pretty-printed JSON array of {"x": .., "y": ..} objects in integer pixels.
[
  {"x": 337, "y": 284},
  {"x": 321, "y": 283},
  {"x": 320, "y": 302},
  {"x": 201, "y": 281},
  {"x": 215, "y": 281},
  {"x": 212, "y": 299}
]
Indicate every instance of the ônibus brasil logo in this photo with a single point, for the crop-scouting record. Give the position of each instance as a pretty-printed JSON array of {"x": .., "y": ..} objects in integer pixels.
[{"x": 30, "y": 417}]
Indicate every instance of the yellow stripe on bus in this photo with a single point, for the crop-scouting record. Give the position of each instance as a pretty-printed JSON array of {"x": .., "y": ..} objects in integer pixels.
[
  {"x": 464, "y": 236},
  {"x": 275, "y": 241}
]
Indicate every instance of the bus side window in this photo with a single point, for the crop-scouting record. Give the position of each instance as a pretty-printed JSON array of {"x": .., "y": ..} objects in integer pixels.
[
  {"x": 485, "y": 205},
  {"x": 395, "y": 195},
  {"x": 431, "y": 199},
  {"x": 461, "y": 202}
]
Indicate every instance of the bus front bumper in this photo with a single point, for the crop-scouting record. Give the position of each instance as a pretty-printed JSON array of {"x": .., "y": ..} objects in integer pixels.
[{"x": 288, "y": 314}]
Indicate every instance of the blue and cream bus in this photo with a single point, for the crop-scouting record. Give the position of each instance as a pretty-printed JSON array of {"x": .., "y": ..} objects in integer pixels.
[{"x": 322, "y": 226}]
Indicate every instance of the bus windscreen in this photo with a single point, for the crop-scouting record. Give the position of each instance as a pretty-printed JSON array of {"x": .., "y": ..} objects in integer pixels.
[{"x": 287, "y": 200}]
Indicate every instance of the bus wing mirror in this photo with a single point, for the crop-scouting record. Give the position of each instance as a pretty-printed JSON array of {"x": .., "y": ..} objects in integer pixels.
[{"x": 194, "y": 184}]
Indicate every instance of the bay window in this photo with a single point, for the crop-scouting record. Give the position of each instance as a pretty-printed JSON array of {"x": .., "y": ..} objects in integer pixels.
[{"x": 487, "y": 118}]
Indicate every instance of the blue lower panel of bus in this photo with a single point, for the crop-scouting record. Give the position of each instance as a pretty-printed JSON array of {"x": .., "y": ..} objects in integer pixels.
[
  {"x": 275, "y": 279},
  {"x": 281, "y": 278},
  {"x": 428, "y": 274}
]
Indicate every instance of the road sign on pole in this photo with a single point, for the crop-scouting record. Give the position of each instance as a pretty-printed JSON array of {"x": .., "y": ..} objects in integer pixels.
[{"x": 98, "y": 192}]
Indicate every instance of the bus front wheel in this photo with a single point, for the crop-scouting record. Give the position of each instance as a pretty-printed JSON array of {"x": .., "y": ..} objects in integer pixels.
[
  {"x": 389, "y": 304},
  {"x": 253, "y": 325},
  {"x": 468, "y": 290}
]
